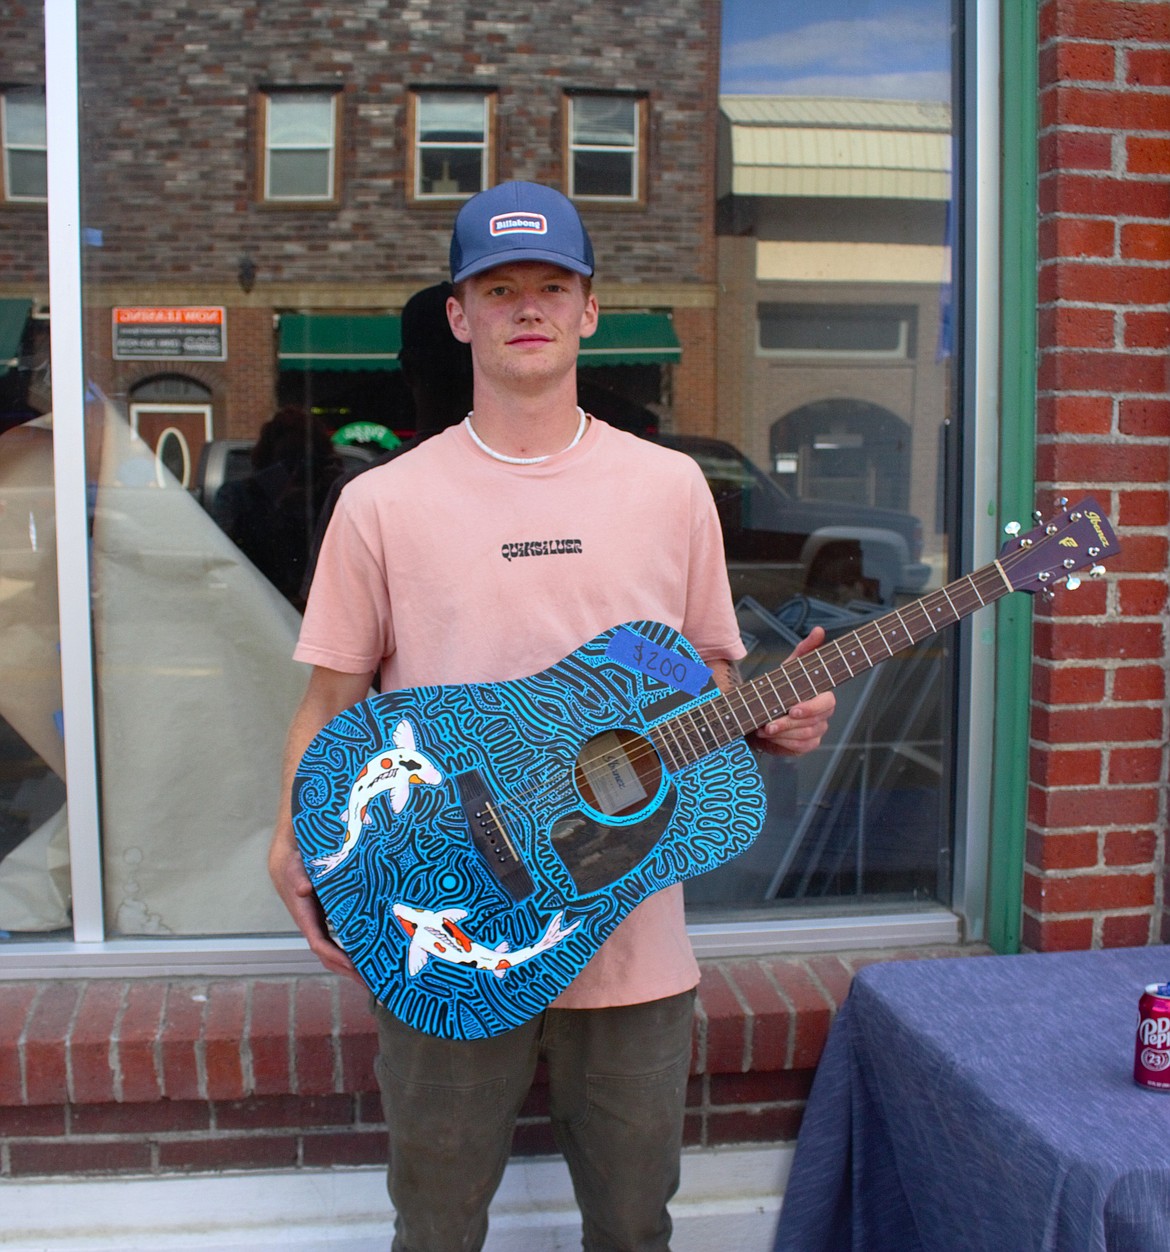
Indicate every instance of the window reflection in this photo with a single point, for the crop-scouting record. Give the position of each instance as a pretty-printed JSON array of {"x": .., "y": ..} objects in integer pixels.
[
  {"x": 833, "y": 212},
  {"x": 300, "y": 145},
  {"x": 777, "y": 305},
  {"x": 22, "y": 112},
  {"x": 452, "y": 143}
]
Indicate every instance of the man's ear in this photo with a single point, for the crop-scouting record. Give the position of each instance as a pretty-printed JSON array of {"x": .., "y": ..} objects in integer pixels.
[
  {"x": 589, "y": 317},
  {"x": 457, "y": 320}
]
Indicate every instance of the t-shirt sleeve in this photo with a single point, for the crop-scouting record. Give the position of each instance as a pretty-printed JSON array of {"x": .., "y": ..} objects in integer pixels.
[{"x": 348, "y": 624}]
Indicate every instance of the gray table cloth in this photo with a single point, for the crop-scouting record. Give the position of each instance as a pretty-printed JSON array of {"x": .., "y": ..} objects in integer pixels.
[{"x": 985, "y": 1103}]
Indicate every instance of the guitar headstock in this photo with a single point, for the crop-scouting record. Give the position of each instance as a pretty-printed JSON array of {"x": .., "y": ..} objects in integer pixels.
[{"x": 1080, "y": 537}]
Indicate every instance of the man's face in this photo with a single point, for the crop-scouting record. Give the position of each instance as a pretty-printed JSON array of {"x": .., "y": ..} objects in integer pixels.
[{"x": 524, "y": 322}]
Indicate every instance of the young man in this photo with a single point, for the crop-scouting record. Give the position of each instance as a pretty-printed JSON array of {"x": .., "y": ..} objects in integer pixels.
[{"x": 426, "y": 576}]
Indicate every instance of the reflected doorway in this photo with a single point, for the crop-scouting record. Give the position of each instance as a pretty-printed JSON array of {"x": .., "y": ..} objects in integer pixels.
[
  {"x": 848, "y": 450},
  {"x": 172, "y": 414}
]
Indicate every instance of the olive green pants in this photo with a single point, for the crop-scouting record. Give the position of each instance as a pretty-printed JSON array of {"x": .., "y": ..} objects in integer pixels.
[{"x": 617, "y": 1087}]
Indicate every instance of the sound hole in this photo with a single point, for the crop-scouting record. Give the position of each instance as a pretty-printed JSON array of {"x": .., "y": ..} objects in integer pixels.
[{"x": 618, "y": 773}]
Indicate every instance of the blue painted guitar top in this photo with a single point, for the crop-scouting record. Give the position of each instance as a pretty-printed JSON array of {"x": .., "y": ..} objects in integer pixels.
[{"x": 473, "y": 846}]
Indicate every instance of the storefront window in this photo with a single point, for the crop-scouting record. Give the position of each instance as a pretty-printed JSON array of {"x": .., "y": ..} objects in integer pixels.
[{"x": 264, "y": 219}]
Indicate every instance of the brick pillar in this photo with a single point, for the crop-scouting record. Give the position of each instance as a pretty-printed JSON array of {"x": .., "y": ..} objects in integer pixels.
[
  {"x": 1095, "y": 868},
  {"x": 250, "y": 370},
  {"x": 694, "y": 400}
]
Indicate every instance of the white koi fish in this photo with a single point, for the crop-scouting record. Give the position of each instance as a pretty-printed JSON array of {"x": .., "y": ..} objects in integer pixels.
[
  {"x": 395, "y": 770},
  {"x": 437, "y": 934}
]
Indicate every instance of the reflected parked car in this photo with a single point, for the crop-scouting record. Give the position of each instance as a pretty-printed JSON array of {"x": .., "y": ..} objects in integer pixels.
[
  {"x": 776, "y": 541},
  {"x": 230, "y": 460},
  {"x": 777, "y": 544}
]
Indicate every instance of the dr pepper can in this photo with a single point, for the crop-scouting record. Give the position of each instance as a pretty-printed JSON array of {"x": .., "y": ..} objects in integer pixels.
[{"x": 1151, "y": 1054}]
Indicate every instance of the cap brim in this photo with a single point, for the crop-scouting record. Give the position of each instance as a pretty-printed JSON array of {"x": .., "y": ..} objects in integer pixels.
[{"x": 495, "y": 259}]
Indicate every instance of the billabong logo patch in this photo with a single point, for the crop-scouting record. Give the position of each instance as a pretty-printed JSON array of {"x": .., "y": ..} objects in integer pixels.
[{"x": 518, "y": 224}]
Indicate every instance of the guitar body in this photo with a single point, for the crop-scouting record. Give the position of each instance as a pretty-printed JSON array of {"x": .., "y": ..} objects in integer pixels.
[{"x": 473, "y": 846}]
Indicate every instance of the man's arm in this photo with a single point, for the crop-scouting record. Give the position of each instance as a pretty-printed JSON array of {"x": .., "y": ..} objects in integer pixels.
[
  {"x": 329, "y": 692},
  {"x": 800, "y": 729}
]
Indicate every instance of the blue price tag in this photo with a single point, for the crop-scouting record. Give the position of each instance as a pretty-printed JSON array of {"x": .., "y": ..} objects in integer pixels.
[{"x": 636, "y": 653}]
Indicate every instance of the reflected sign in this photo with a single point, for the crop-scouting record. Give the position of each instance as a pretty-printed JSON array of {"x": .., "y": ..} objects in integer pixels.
[{"x": 170, "y": 334}]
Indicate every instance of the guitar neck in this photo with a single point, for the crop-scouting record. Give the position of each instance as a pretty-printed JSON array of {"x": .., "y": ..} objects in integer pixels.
[{"x": 692, "y": 734}]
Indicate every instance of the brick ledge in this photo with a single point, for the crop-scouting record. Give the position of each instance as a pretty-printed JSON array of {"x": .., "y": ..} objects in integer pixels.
[{"x": 181, "y": 1074}]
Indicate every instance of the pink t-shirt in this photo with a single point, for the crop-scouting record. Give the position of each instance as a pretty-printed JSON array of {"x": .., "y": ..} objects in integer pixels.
[{"x": 448, "y": 566}]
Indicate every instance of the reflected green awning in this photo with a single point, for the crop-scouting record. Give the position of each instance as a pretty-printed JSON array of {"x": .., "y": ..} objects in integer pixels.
[
  {"x": 330, "y": 341},
  {"x": 334, "y": 341},
  {"x": 13, "y": 319},
  {"x": 632, "y": 339}
]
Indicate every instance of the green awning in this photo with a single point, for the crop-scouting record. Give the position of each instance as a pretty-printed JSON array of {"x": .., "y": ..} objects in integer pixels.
[
  {"x": 334, "y": 341},
  {"x": 13, "y": 319},
  {"x": 328, "y": 341},
  {"x": 632, "y": 339}
]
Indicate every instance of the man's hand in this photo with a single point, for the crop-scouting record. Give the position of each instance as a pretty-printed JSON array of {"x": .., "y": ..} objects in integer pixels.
[
  {"x": 287, "y": 871},
  {"x": 329, "y": 692},
  {"x": 803, "y": 727}
]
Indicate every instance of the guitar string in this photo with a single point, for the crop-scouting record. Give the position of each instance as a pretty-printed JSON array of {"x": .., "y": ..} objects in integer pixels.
[
  {"x": 869, "y": 633},
  {"x": 820, "y": 659}
]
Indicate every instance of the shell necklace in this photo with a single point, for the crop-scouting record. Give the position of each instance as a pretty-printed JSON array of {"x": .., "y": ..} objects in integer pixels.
[{"x": 524, "y": 460}]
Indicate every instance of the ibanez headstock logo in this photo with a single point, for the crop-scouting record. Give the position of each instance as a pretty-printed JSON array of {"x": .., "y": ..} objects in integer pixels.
[{"x": 1095, "y": 522}]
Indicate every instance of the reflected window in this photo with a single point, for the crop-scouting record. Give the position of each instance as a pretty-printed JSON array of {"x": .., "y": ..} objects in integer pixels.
[
  {"x": 835, "y": 330},
  {"x": 794, "y": 242},
  {"x": 24, "y": 137},
  {"x": 605, "y": 147},
  {"x": 300, "y": 145},
  {"x": 452, "y": 143}
]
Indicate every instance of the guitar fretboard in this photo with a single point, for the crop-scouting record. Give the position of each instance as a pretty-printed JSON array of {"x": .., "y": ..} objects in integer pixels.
[{"x": 692, "y": 734}]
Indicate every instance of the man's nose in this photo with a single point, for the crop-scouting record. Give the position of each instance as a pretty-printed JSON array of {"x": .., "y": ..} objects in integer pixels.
[{"x": 528, "y": 308}]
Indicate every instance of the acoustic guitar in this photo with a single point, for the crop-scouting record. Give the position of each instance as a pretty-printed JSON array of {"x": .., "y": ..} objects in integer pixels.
[{"x": 473, "y": 846}]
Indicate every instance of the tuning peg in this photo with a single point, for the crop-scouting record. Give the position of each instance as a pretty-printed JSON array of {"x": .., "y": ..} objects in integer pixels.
[
  {"x": 1072, "y": 582},
  {"x": 1048, "y": 594},
  {"x": 1037, "y": 516},
  {"x": 1061, "y": 501},
  {"x": 1098, "y": 571},
  {"x": 1012, "y": 528}
]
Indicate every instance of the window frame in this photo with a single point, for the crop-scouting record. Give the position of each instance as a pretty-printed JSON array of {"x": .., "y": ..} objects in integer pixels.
[
  {"x": 639, "y": 151},
  {"x": 415, "y": 145},
  {"x": 903, "y": 316},
  {"x": 6, "y": 193},
  {"x": 267, "y": 93}
]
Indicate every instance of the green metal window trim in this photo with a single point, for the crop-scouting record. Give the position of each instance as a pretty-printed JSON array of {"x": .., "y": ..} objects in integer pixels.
[{"x": 1018, "y": 259}]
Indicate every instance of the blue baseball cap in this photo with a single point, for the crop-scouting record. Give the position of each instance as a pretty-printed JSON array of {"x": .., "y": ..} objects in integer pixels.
[{"x": 518, "y": 222}]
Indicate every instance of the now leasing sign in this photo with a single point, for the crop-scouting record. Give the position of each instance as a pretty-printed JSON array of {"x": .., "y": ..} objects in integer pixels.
[{"x": 170, "y": 334}]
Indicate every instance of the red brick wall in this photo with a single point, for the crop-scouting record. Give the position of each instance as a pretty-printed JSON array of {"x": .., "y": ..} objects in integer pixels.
[
  {"x": 181, "y": 1075},
  {"x": 1096, "y": 853}
]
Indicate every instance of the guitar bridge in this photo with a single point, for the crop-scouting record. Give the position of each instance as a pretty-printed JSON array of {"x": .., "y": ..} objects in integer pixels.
[{"x": 490, "y": 837}]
